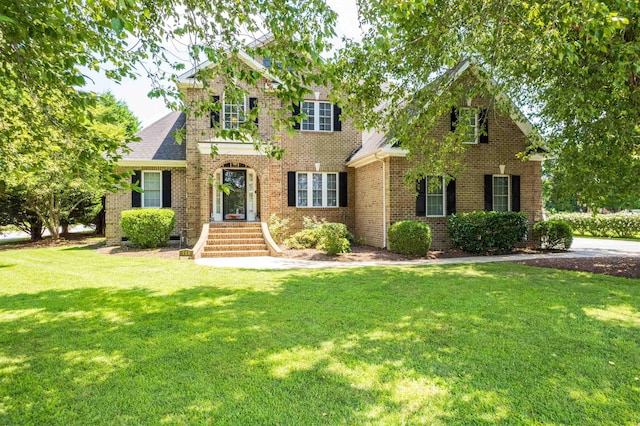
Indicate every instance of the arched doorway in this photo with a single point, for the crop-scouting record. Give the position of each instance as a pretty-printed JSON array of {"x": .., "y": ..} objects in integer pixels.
[{"x": 235, "y": 193}]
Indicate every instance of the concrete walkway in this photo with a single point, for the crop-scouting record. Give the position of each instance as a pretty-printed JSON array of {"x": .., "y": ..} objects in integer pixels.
[{"x": 582, "y": 247}]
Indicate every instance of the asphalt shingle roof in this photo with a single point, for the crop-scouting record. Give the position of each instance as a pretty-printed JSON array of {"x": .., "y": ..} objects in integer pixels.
[{"x": 157, "y": 141}]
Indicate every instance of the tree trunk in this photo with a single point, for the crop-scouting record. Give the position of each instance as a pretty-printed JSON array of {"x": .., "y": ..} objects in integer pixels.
[
  {"x": 100, "y": 220},
  {"x": 36, "y": 231},
  {"x": 65, "y": 229}
]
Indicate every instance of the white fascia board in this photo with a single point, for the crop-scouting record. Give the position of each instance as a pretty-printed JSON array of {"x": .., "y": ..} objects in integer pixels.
[
  {"x": 187, "y": 80},
  {"x": 379, "y": 154},
  {"x": 152, "y": 163},
  {"x": 229, "y": 147}
]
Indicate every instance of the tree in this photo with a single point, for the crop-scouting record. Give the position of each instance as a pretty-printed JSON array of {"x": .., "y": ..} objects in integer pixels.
[
  {"x": 62, "y": 177},
  {"x": 572, "y": 65}
]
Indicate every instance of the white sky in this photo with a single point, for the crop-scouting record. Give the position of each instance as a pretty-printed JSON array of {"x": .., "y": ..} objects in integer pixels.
[{"x": 134, "y": 92}]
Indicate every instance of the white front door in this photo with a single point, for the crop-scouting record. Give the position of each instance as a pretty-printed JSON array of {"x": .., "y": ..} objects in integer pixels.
[{"x": 231, "y": 207}]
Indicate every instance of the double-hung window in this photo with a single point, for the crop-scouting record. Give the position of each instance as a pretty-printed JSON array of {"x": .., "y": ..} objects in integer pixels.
[
  {"x": 152, "y": 187},
  {"x": 319, "y": 116},
  {"x": 316, "y": 189},
  {"x": 501, "y": 193},
  {"x": 435, "y": 194},
  {"x": 233, "y": 111},
  {"x": 469, "y": 119}
]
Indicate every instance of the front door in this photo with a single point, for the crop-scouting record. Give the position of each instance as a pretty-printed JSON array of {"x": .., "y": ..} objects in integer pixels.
[{"x": 234, "y": 204}]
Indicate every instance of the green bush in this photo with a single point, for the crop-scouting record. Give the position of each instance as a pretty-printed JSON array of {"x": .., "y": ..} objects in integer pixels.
[
  {"x": 333, "y": 238},
  {"x": 410, "y": 237},
  {"x": 480, "y": 232},
  {"x": 553, "y": 234},
  {"x": 622, "y": 225},
  {"x": 307, "y": 238},
  {"x": 278, "y": 227},
  {"x": 148, "y": 228}
]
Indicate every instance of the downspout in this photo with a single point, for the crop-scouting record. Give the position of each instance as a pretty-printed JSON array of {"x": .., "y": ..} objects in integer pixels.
[{"x": 384, "y": 200}]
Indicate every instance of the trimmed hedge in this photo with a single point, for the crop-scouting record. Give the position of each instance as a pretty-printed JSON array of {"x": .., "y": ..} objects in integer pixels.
[
  {"x": 480, "y": 232},
  {"x": 410, "y": 237},
  {"x": 148, "y": 228},
  {"x": 622, "y": 225},
  {"x": 553, "y": 234}
]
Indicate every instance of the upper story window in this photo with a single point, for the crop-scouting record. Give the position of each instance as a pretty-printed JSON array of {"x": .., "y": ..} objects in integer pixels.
[
  {"x": 501, "y": 193},
  {"x": 316, "y": 189},
  {"x": 152, "y": 187},
  {"x": 435, "y": 194},
  {"x": 469, "y": 118},
  {"x": 319, "y": 116},
  {"x": 233, "y": 111}
]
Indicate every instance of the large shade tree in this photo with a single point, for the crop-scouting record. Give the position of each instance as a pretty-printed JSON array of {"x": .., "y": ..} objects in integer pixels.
[{"x": 573, "y": 66}]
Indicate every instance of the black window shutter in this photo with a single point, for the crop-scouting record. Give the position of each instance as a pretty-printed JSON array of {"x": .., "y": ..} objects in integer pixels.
[
  {"x": 291, "y": 189},
  {"x": 296, "y": 112},
  {"x": 488, "y": 193},
  {"x": 484, "y": 125},
  {"x": 215, "y": 115},
  {"x": 253, "y": 103},
  {"x": 337, "y": 121},
  {"x": 421, "y": 200},
  {"x": 136, "y": 197},
  {"x": 166, "y": 188},
  {"x": 451, "y": 197},
  {"x": 342, "y": 185},
  {"x": 454, "y": 118},
  {"x": 515, "y": 193}
]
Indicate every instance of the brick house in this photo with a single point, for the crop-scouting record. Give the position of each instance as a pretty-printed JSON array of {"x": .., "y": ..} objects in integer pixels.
[{"x": 329, "y": 170}]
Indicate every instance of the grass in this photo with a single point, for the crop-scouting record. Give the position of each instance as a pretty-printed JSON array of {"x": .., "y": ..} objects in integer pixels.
[
  {"x": 97, "y": 339},
  {"x": 588, "y": 235}
]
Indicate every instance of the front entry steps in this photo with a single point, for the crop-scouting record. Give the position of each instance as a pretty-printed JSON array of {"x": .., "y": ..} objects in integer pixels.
[{"x": 235, "y": 239}]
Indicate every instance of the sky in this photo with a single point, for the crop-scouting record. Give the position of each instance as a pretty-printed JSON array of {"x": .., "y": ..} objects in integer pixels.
[{"x": 134, "y": 92}]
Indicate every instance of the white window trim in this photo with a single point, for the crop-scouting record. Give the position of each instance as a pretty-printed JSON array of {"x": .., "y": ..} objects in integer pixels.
[
  {"x": 224, "y": 109},
  {"x": 324, "y": 190},
  {"x": 316, "y": 116},
  {"x": 143, "y": 185},
  {"x": 444, "y": 197},
  {"x": 476, "y": 127},
  {"x": 493, "y": 192}
]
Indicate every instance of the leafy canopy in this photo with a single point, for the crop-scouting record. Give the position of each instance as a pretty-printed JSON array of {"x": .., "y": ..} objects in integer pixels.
[{"x": 572, "y": 64}]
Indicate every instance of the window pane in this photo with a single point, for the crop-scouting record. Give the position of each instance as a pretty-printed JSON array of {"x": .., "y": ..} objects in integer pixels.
[
  {"x": 151, "y": 187},
  {"x": 317, "y": 189},
  {"x": 325, "y": 116},
  {"x": 501, "y": 193},
  {"x": 332, "y": 190},
  {"x": 468, "y": 118},
  {"x": 234, "y": 111},
  {"x": 302, "y": 189},
  {"x": 435, "y": 196},
  {"x": 309, "y": 122}
]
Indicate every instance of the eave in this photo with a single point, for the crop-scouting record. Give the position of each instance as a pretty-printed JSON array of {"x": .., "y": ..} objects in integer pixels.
[{"x": 379, "y": 154}]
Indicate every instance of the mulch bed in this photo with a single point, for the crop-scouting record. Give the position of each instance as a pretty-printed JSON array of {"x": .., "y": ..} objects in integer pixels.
[{"x": 628, "y": 267}]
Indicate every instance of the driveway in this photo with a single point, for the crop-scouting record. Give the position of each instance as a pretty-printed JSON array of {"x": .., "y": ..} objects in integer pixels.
[{"x": 582, "y": 247}]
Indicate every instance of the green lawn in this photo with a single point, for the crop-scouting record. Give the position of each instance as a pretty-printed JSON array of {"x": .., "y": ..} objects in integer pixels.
[{"x": 96, "y": 339}]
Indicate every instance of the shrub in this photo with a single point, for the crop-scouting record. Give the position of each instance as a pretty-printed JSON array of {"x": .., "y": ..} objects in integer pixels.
[
  {"x": 307, "y": 238},
  {"x": 479, "y": 232},
  {"x": 410, "y": 237},
  {"x": 278, "y": 227},
  {"x": 148, "y": 228},
  {"x": 312, "y": 222},
  {"x": 553, "y": 234},
  {"x": 333, "y": 238},
  {"x": 623, "y": 225}
]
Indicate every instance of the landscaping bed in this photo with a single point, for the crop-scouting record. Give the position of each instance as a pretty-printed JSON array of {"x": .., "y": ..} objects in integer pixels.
[{"x": 628, "y": 267}]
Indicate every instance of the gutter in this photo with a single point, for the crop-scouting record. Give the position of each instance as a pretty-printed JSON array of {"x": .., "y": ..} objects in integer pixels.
[{"x": 384, "y": 200}]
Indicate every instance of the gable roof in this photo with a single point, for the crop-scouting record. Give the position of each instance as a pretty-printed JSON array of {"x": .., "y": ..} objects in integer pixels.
[
  {"x": 157, "y": 145},
  {"x": 188, "y": 78},
  {"x": 377, "y": 145}
]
